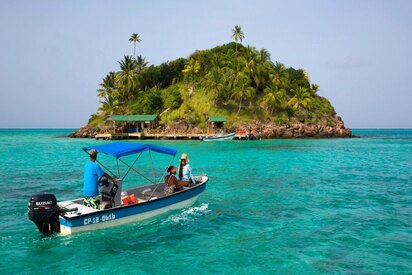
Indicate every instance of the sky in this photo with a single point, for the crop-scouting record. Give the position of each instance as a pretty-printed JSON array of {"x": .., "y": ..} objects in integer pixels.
[{"x": 54, "y": 54}]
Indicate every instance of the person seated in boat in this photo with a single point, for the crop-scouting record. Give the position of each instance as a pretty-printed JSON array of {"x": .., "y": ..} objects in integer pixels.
[
  {"x": 170, "y": 181},
  {"x": 185, "y": 173},
  {"x": 92, "y": 173}
]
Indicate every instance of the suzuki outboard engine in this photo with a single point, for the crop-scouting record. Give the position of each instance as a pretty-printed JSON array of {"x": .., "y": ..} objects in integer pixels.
[{"x": 44, "y": 212}]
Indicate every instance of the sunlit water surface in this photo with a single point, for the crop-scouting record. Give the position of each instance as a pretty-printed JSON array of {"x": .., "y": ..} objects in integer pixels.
[{"x": 271, "y": 206}]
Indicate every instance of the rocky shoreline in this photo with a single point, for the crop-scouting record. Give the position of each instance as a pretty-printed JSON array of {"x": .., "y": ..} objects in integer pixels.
[
  {"x": 255, "y": 130},
  {"x": 300, "y": 130}
]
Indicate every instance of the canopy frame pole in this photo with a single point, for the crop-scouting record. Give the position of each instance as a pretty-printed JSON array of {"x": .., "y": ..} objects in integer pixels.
[
  {"x": 153, "y": 173},
  {"x": 118, "y": 169},
  {"x": 171, "y": 161},
  {"x": 164, "y": 173},
  {"x": 113, "y": 174},
  {"x": 151, "y": 163},
  {"x": 130, "y": 167}
]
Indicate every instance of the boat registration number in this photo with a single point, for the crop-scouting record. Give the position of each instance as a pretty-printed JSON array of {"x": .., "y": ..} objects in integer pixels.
[{"x": 102, "y": 218}]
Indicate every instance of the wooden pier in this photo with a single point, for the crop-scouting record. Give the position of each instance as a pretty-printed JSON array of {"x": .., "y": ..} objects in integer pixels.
[
  {"x": 173, "y": 136},
  {"x": 144, "y": 127},
  {"x": 157, "y": 135},
  {"x": 110, "y": 136},
  {"x": 242, "y": 136}
]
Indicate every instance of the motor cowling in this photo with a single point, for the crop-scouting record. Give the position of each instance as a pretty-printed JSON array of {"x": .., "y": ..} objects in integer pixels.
[{"x": 44, "y": 212}]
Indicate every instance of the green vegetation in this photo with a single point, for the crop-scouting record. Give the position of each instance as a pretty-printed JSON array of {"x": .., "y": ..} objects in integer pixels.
[{"x": 232, "y": 80}]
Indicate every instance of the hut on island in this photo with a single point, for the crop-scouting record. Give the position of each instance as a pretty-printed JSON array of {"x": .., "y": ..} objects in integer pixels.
[
  {"x": 216, "y": 125},
  {"x": 137, "y": 123}
]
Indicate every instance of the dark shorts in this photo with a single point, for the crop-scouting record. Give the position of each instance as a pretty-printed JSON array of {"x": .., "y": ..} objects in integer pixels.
[{"x": 92, "y": 202}]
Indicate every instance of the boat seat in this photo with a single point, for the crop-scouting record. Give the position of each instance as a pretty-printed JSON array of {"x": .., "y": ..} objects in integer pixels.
[
  {"x": 147, "y": 193},
  {"x": 81, "y": 209}
]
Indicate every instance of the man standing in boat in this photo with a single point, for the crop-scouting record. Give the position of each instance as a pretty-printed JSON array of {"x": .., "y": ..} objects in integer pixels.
[{"x": 92, "y": 174}]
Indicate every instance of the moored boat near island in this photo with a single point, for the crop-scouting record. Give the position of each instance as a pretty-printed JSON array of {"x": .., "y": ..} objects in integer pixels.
[{"x": 220, "y": 137}]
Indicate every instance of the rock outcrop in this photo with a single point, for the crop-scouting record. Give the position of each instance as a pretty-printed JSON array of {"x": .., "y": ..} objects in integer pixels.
[
  {"x": 84, "y": 132},
  {"x": 298, "y": 130}
]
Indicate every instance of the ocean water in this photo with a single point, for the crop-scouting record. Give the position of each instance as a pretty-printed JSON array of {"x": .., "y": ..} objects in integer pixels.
[{"x": 271, "y": 207}]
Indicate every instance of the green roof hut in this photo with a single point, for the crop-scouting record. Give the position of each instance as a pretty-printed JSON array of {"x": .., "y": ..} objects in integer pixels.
[{"x": 216, "y": 125}]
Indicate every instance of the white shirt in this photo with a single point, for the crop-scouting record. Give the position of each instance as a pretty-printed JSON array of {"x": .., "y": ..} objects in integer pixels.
[{"x": 187, "y": 173}]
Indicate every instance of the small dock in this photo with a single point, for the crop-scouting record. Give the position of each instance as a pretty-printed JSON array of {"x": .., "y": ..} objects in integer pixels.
[
  {"x": 148, "y": 135},
  {"x": 110, "y": 136},
  {"x": 242, "y": 136},
  {"x": 173, "y": 136},
  {"x": 144, "y": 127}
]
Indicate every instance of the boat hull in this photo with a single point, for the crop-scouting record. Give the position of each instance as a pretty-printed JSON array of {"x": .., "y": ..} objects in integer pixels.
[
  {"x": 130, "y": 213},
  {"x": 219, "y": 138}
]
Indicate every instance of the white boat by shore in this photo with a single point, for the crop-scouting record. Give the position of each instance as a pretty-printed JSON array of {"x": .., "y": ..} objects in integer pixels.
[
  {"x": 218, "y": 138},
  {"x": 143, "y": 202}
]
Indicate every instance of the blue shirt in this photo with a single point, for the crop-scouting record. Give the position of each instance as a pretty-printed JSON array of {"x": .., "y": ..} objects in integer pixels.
[{"x": 92, "y": 174}]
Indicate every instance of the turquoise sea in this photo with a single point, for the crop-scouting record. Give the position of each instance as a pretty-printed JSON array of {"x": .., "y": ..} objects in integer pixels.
[{"x": 341, "y": 206}]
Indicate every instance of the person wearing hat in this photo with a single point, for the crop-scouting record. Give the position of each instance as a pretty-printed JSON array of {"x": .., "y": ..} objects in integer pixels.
[
  {"x": 185, "y": 172},
  {"x": 92, "y": 174},
  {"x": 170, "y": 180}
]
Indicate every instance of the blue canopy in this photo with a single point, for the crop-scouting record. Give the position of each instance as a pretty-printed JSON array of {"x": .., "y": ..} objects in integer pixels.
[{"x": 121, "y": 149}]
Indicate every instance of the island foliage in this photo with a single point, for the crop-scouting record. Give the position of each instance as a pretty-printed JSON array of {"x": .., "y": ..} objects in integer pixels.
[{"x": 239, "y": 82}]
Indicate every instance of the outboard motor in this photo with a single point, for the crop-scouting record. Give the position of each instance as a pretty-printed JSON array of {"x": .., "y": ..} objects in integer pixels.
[{"x": 44, "y": 212}]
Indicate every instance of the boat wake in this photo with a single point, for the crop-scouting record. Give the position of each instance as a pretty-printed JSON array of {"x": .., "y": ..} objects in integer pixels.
[{"x": 188, "y": 214}]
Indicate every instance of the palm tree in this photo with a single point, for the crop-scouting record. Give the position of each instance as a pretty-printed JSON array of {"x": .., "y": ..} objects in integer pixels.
[
  {"x": 110, "y": 106},
  {"x": 126, "y": 78},
  {"x": 108, "y": 86},
  {"x": 256, "y": 64},
  {"x": 237, "y": 34},
  {"x": 217, "y": 61},
  {"x": 259, "y": 72},
  {"x": 314, "y": 88},
  {"x": 109, "y": 94},
  {"x": 250, "y": 60},
  {"x": 264, "y": 56},
  {"x": 274, "y": 97},
  {"x": 191, "y": 68},
  {"x": 141, "y": 63},
  {"x": 242, "y": 90},
  {"x": 213, "y": 83},
  {"x": 134, "y": 38},
  {"x": 280, "y": 75},
  {"x": 302, "y": 98}
]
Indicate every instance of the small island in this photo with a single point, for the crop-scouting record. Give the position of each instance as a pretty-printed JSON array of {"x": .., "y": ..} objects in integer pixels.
[{"x": 239, "y": 84}]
